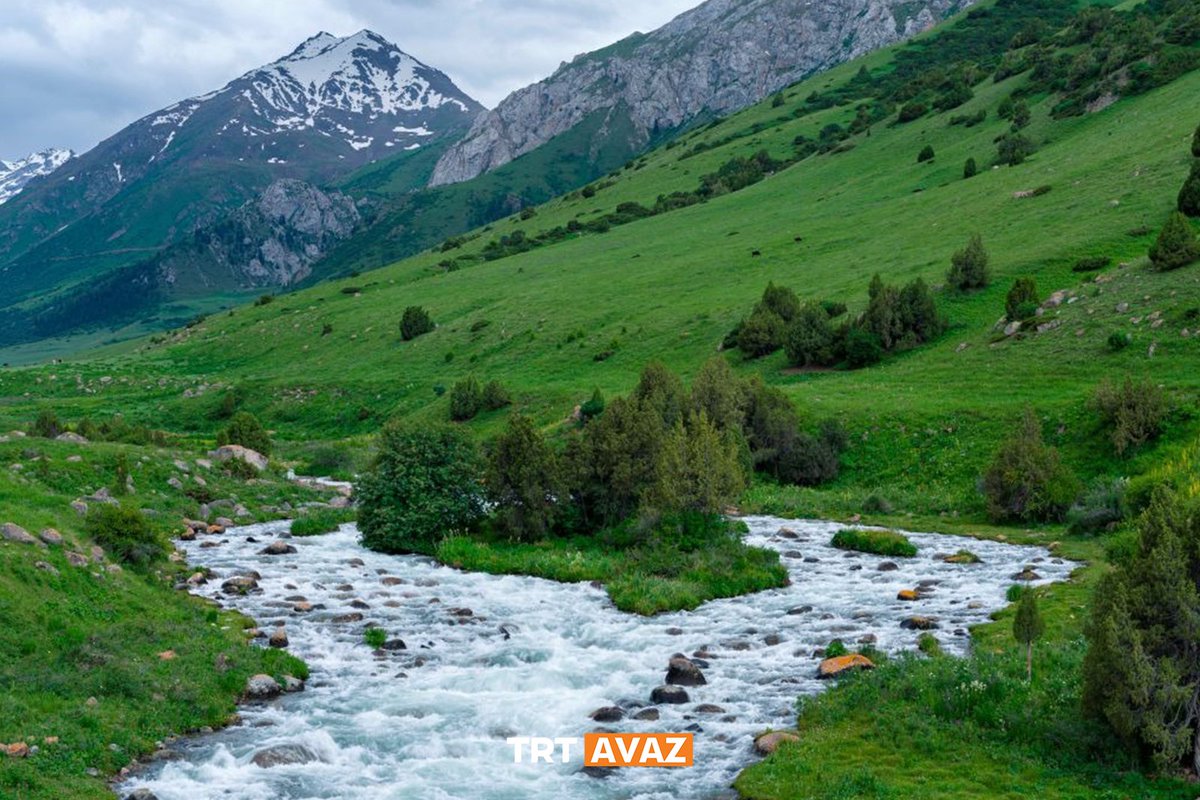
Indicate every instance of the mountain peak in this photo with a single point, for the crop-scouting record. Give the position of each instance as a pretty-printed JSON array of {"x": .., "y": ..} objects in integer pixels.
[{"x": 15, "y": 174}]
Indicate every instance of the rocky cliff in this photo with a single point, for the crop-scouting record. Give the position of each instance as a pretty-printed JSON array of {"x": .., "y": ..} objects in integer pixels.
[{"x": 716, "y": 58}]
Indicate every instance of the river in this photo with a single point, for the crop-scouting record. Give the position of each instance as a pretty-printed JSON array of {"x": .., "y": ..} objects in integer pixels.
[{"x": 535, "y": 658}]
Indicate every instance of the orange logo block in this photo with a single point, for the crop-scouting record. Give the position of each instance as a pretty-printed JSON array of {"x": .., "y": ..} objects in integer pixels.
[{"x": 637, "y": 749}]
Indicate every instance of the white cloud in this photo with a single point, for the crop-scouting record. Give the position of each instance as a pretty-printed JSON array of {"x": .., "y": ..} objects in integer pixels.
[{"x": 76, "y": 71}]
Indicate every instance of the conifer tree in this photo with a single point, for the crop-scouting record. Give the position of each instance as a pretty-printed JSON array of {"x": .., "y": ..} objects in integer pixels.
[
  {"x": 1176, "y": 245},
  {"x": 1028, "y": 627}
]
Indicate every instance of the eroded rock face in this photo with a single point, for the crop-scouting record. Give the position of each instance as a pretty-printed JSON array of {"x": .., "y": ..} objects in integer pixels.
[{"x": 719, "y": 57}]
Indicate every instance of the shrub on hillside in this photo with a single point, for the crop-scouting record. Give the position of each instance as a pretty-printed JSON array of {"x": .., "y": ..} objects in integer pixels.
[
  {"x": 781, "y": 300},
  {"x": 814, "y": 459},
  {"x": 761, "y": 334},
  {"x": 466, "y": 399},
  {"x": 1135, "y": 412},
  {"x": 1027, "y": 480},
  {"x": 1013, "y": 149},
  {"x": 125, "y": 534},
  {"x": 245, "y": 430},
  {"x": 862, "y": 348},
  {"x": 811, "y": 340},
  {"x": 969, "y": 266},
  {"x": 422, "y": 485},
  {"x": 1118, "y": 341},
  {"x": 1189, "y": 195},
  {"x": 524, "y": 481},
  {"x": 926, "y": 154},
  {"x": 495, "y": 396},
  {"x": 1021, "y": 297},
  {"x": 912, "y": 111},
  {"x": 1100, "y": 509},
  {"x": 1091, "y": 264},
  {"x": 593, "y": 408},
  {"x": 46, "y": 425},
  {"x": 970, "y": 169},
  {"x": 415, "y": 322},
  {"x": 719, "y": 393},
  {"x": 1176, "y": 245}
]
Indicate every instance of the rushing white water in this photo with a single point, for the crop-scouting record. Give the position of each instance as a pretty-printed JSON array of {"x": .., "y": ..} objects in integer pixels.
[{"x": 535, "y": 658}]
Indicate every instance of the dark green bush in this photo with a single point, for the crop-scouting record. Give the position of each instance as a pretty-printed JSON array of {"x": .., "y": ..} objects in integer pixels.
[
  {"x": 926, "y": 154},
  {"x": 969, "y": 267},
  {"x": 761, "y": 334},
  {"x": 46, "y": 425},
  {"x": 1189, "y": 195},
  {"x": 125, "y": 534},
  {"x": 1027, "y": 480},
  {"x": 1021, "y": 297},
  {"x": 415, "y": 322},
  {"x": 423, "y": 485},
  {"x": 466, "y": 399},
  {"x": 810, "y": 339},
  {"x": 1135, "y": 412},
  {"x": 1119, "y": 340},
  {"x": 524, "y": 481},
  {"x": 593, "y": 408},
  {"x": 912, "y": 111},
  {"x": 970, "y": 169},
  {"x": 495, "y": 396},
  {"x": 862, "y": 348},
  {"x": 1091, "y": 264},
  {"x": 1013, "y": 149},
  {"x": 245, "y": 430},
  {"x": 1101, "y": 508},
  {"x": 1176, "y": 245}
]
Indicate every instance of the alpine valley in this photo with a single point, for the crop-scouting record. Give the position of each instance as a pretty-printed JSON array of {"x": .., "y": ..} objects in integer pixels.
[{"x": 816, "y": 378}]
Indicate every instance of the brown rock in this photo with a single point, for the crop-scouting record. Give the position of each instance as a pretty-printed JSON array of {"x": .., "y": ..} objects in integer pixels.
[
  {"x": 833, "y": 667},
  {"x": 767, "y": 743}
]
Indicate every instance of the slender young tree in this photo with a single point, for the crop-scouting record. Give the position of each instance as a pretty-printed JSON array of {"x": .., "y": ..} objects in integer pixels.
[{"x": 1028, "y": 627}]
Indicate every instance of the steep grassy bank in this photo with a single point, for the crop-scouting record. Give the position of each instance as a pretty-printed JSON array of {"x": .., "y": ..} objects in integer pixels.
[{"x": 100, "y": 661}]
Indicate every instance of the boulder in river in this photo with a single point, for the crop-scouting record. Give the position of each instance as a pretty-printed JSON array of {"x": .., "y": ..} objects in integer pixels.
[
  {"x": 239, "y": 584},
  {"x": 279, "y": 548},
  {"x": 669, "y": 695},
  {"x": 278, "y": 639},
  {"x": 608, "y": 714},
  {"x": 1027, "y": 574},
  {"x": 767, "y": 743},
  {"x": 833, "y": 667},
  {"x": 647, "y": 715},
  {"x": 283, "y": 754},
  {"x": 262, "y": 687},
  {"x": 919, "y": 624},
  {"x": 141, "y": 794},
  {"x": 909, "y": 595},
  {"x": 682, "y": 672},
  {"x": 888, "y": 566}
]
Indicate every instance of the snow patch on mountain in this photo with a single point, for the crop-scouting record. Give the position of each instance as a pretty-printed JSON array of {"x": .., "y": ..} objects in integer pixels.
[{"x": 14, "y": 175}]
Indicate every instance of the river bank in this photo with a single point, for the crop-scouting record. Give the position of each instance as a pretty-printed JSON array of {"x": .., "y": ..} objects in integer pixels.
[{"x": 486, "y": 657}]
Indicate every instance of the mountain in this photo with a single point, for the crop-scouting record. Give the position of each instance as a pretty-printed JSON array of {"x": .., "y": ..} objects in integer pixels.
[
  {"x": 14, "y": 175},
  {"x": 315, "y": 115},
  {"x": 719, "y": 57}
]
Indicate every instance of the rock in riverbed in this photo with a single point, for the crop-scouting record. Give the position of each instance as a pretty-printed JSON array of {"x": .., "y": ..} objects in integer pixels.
[{"x": 681, "y": 671}]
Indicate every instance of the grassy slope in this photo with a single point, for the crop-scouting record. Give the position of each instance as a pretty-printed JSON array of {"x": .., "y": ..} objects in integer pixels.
[
  {"x": 670, "y": 286},
  {"x": 88, "y": 633}
]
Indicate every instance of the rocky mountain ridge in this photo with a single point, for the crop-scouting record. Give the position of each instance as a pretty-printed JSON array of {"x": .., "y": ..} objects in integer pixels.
[{"x": 716, "y": 58}]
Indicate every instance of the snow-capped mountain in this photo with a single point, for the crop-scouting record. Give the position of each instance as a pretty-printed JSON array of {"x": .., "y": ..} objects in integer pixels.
[
  {"x": 15, "y": 174},
  {"x": 324, "y": 110}
]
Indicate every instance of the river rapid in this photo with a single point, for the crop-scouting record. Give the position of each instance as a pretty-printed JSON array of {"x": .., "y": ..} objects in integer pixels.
[{"x": 535, "y": 658}]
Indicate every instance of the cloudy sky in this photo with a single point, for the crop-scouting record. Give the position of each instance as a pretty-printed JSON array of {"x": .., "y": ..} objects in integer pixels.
[{"x": 73, "y": 72}]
